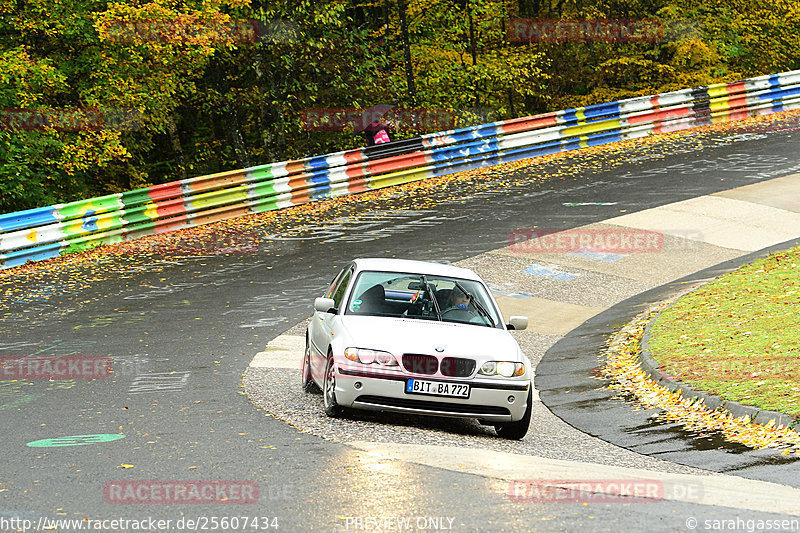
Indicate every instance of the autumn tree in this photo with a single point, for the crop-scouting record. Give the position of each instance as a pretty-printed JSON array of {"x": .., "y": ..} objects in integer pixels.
[{"x": 99, "y": 96}]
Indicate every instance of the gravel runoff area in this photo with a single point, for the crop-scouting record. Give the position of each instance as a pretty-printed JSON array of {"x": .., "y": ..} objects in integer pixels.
[{"x": 278, "y": 392}]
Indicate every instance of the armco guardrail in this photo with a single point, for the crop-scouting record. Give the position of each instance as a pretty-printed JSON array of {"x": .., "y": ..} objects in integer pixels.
[{"x": 47, "y": 232}]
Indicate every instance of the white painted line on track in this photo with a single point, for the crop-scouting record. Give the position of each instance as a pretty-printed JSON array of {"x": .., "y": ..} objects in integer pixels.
[
  {"x": 718, "y": 490},
  {"x": 724, "y": 222},
  {"x": 285, "y": 351}
]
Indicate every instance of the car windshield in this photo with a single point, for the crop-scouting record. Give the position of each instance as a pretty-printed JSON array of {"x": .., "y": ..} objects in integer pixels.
[{"x": 423, "y": 297}]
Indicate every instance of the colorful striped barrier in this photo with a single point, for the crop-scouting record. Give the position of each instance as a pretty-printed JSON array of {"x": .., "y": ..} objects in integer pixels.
[{"x": 51, "y": 231}]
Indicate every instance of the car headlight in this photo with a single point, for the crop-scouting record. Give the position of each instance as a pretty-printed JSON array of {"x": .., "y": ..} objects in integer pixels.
[
  {"x": 368, "y": 357},
  {"x": 507, "y": 369}
]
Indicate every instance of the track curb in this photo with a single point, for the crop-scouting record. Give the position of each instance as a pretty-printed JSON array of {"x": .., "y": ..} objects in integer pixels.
[{"x": 710, "y": 402}]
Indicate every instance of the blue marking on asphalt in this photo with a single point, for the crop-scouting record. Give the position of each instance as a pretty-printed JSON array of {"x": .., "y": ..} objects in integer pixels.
[
  {"x": 598, "y": 256},
  {"x": 497, "y": 290},
  {"x": 551, "y": 272}
]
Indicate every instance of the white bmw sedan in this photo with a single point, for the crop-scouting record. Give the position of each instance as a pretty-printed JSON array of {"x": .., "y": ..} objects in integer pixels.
[{"x": 420, "y": 338}]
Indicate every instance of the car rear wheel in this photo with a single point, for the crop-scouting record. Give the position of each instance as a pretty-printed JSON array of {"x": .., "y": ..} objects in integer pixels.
[
  {"x": 332, "y": 407},
  {"x": 307, "y": 381},
  {"x": 517, "y": 430}
]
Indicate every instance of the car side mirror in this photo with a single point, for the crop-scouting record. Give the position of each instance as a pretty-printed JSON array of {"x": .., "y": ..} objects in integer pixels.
[
  {"x": 325, "y": 305},
  {"x": 517, "y": 323}
]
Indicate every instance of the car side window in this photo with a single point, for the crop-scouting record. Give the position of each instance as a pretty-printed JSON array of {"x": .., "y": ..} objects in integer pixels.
[
  {"x": 334, "y": 283},
  {"x": 338, "y": 293}
]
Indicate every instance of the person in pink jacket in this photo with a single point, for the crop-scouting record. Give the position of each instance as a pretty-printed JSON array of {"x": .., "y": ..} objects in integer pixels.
[{"x": 377, "y": 131}]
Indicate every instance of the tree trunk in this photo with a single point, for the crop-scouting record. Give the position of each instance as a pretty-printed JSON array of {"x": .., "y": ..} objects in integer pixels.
[
  {"x": 473, "y": 51},
  {"x": 235, "y": 136},
  {"x": 412, "y": 89},
  {"x": 175, "y": 140},
  {"x": 264, "y": 122},
  {"x": 386, "y": 49}
]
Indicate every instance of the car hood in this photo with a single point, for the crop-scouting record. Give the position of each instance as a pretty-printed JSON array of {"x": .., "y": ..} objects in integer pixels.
[{"x": 401, "y": 335}]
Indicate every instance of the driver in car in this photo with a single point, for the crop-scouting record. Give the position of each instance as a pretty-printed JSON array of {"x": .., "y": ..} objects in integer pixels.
[
  {"x": 458, "y": 300},
  {"x": 459, "y": 307}
]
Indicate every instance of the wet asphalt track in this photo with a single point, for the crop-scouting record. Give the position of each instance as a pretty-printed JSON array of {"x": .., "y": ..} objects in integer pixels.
[{"x": 181, "y": 333}]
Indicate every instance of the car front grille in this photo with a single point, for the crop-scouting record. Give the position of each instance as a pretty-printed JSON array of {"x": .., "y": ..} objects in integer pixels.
[
  {"x": 420, "y": 364},
  {"x": 456, "y": 367}
]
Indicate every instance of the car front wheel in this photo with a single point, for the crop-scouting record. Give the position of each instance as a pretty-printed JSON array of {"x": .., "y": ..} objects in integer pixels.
[
  {"x": 517, "y": 430},
  {"x": 332, "y": 408}
]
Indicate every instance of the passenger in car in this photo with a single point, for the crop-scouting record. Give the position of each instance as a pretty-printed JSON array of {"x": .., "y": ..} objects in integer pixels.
[
  {"x": 373, "y": 300},
  {"x": 443, "y": 298}
]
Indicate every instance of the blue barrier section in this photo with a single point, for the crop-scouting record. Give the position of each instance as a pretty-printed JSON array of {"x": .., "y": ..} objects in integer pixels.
[
  {"x": 318, "y": 162},
  {"x": 37, "y": 253},
  {"x": 30, "y": 218}
]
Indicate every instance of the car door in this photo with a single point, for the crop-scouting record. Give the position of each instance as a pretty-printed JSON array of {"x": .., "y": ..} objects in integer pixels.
[{"x": 322, "y": 324}]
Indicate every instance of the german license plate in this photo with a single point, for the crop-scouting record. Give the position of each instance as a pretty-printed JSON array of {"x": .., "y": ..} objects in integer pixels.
[{"x": 437, "y": 388}]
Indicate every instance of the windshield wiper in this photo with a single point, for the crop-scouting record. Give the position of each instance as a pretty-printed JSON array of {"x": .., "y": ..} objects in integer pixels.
[
  {"x": 432, "y": 296},
  {"x": 478, "y": 305}
]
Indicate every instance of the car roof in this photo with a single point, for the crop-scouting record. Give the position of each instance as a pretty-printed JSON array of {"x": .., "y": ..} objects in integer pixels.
[{"x": 415, "y": 267}]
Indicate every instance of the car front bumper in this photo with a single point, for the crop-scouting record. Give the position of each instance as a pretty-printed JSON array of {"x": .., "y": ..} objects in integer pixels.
[{"x": 359, "y": 388}]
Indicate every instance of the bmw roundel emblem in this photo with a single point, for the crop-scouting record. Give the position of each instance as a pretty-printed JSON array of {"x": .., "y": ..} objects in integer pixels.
[{"x": 439, "y": 349}]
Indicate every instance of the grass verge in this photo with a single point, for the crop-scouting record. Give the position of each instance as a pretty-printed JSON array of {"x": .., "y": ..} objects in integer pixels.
[
  {"x": 738, "y": 337},
  {"x": 623, "y": 368}
]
